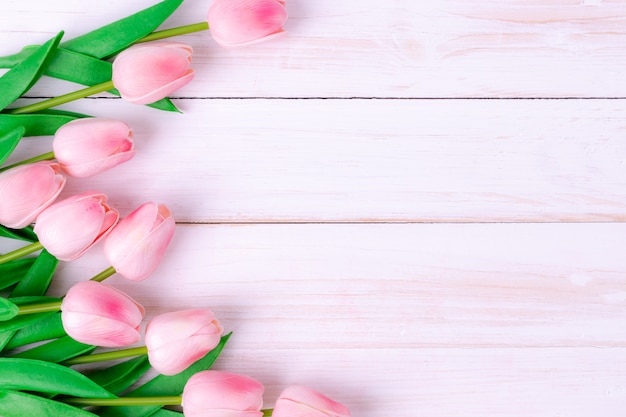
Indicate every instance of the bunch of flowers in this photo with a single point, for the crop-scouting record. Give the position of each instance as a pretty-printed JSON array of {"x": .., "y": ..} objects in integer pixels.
[{"x": 42, "y": 338}]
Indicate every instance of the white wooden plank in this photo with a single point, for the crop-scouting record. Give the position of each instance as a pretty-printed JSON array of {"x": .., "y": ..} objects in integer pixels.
[
  {"x": 441, "y": 48},
  {"x": 370, "y": 160},
  {"x": 383, "y": 286}
]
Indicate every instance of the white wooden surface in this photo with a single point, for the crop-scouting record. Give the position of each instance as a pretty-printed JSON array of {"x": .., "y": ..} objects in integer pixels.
[{"x": 417, "y": 208}]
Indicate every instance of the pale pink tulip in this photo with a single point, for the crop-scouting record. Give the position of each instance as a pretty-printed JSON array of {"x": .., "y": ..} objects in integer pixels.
[
  {"x": 220, "y": 394},
  {"x": 148, "y": 72},
  {"x": 243, "y": 22},
  {"x": 137, "y": 244},
  {"x": 97, "y": 314},
  {"x": 67, "y": 229},
  {"x": 26, "y": 190},
  {"x": 177, "y": 339},
  {"x": 299, "y": 401},
  {"x": 85, "y": 147}
]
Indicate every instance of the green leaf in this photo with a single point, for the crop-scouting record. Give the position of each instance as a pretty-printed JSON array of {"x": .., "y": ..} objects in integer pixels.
[
  {"x": 5, "y": 338},
  {"x": 35, "y": 124},
  {"x": 120, "y": 377},
  {"x": 114, "y": 37},
  {"x": 38, "y": 278},
  {"x": 26, "y": 233},
  {"x": 9, "y": 140},
  {"x": 166, "y": 413},
  {"x": 13, "y": 271},
  {"x": 20, "y": 404},
  {"x": 163, "y": 385},
  {"x": 50, "y": 327},
  {"x": 19, "y": 322},
  {"x": 41, "y": 376},
  {"x": 57, "y": 351},
  {"x": 21, "y": 78},
  {"x": 8, "y": 310}
]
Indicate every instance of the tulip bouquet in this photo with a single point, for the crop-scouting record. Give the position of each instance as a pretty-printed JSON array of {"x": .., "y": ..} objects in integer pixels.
[{"x": 48, "y": 344}]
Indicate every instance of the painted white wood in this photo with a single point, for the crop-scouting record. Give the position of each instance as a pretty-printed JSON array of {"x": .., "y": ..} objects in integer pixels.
[
  {"x": 440, "y": 48},
  {"x": 369, "y": 160}
]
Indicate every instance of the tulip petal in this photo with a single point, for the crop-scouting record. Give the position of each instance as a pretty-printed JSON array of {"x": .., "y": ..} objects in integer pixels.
[
  {"x": 300, "y": 401},
  {"x": 100, "y": 331}
]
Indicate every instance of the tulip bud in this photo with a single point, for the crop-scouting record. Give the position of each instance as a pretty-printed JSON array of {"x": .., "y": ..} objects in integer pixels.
[
  {"x": 298, "y": 401},
  {"x": 148, "y": 72},
  {"x": 85, "y": 147},
  {"x": 244, "y": 22},
  {"x": 177, "y": 339},
  {"x": 137, "y": 244},
  {"x": 67, "y": 229},
  {"x": 28, "y": 189},
  {"x": 97, "y": 314},
  {"x": 216, "y": 393}
]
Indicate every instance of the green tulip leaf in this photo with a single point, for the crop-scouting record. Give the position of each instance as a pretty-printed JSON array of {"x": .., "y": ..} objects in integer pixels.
[
  {"x": 8, "y": 310},
  {"x": 20, "y": 404},
  {"x": 166, "y": 413},
  {"x": 114, "y": 37},
  {"x": 35, "y": 124},
  {"x": 5, "y": 338},
  {"x": 38, "y": 278},
  {"x": 26, "y": 233},
  {"x": 163, "y": 385},
  {"x": 13, "y": 271},
  {"x": 21, "y": 77},
  {"x": 25, "y": 320},
  {"x": 9, "y": 140},
  {"x": 50, "y": 327},
  {"x": 58, "y": 350},
  {"x": 120, "y": 377},
  {"x": 41, "y": 376}
]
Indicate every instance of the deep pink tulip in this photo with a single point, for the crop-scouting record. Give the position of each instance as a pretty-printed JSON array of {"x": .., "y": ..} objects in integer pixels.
[
  {"x": 148, "y": 72},
  {"x": 244, "y": 22},
  {"x": 67, "y": 229},
  {"x": 26, "y": 190},
  {"x": 85, "y": 147},
  {"x": 137, "y": 244},
  {"x": 299, "y": 401},
  {"x": 219, "y": 394},
  {"x": 177, "y": 339},
  {"x": 97, "y": 314}
]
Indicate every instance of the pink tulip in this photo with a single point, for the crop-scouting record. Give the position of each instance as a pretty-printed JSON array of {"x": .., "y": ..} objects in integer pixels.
[
  {"x": 244, "y": 22},
  {"x": 219, "y": 394},
  {"x": 298, "y": 401},
  {"x": 177, "y": 339},
  {"x": 148, "y": 72},
  {"x": 137, "y": 244},
  {"x": 85, "y": 147},
  {"x": 97, "y": 314},
  {"x": 26, "y": 190},
  {"x": 67, "y": 229}
]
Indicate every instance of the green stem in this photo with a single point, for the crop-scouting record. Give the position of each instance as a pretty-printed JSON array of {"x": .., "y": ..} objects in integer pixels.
[
  {"x": 39, "y": 308},
  {"x": 181, "y": 30},
  {"x": 122, "y": 401},
  {"x": 267, "y": 412},
  {"x": 66, "y": 98},
  {"x": 104, "y": 274},
  {"x": 108, "y": 356},
  {"x": 18, "y": 253},
  {"x": 43, "y": 157}
]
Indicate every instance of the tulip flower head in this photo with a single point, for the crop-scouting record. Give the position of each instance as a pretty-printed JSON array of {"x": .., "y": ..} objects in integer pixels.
[
  {"x": 67, "y": 229},
  {"x": 137, "y": 244},
  {"x": 299, "y": 401},
  {"x": 177, "y": 339},
  {"x": 85, "y": 147},
  {"x": 244, "y": 22},
  {"x": 148, "y": 72},
  {"x": 97, "y": 314},
  {"x": 216, "y": 394},
  {"x": 27, "y": 190}
]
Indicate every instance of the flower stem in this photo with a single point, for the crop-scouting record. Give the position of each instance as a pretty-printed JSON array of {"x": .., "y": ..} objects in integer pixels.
[
  {"x": 107, "y": 356},
  {"x": 104, "y": 274},
  {"x": 267, "y": 412},
  {"x": 48, "y": 156},
  {"x": 18, "y": 253},
  {"x": 181, "y": 30},
  {"x": 107, "y": 402},
  {"x": 39, "y": 308},
  {"x": 66, "y": 98}
]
